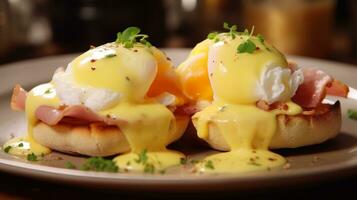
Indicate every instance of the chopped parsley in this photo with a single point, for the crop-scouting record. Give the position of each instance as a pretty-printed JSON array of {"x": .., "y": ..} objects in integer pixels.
[
  {"x": 142, "y": 157},
  {"x": 32, "y": 157},
  {"x": 99, "y": 164},
  {"x": 183, "y": 161},
  {"x": 48, "y": 91},
  {"x": 130, "y": 36},
  {"x": 20, "y": 145},
  {"x": 7, "y": 149},
  {"x": 352, "y": 114},
  {"x": 70, "y": 165},
  {"x": 149, "y": 168},
  {"x": 209, "y": 165},
  {"x": 260, "y": 38},
  {"x": 110, "y": 55}
]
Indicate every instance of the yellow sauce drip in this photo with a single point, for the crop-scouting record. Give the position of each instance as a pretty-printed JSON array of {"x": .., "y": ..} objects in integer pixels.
[
  {"x": 247, "y": 130},
  {"x": 22, "y": 146},
  {"x": 44, "y": 94},
  {"x": 149, "y": 127}
]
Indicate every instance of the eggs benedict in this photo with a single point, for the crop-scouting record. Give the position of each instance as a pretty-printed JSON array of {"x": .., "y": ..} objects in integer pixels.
[
  {"x": 246, "y": 98},
  {"x": 116, "y": 98}
]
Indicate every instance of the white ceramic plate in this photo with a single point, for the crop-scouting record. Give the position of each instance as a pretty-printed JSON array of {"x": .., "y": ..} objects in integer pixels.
[{"x": 337, "y": 157}]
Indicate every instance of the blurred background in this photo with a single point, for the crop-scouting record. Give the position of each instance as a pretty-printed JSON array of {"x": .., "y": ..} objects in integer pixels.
[{"x": 316, "y": 28}]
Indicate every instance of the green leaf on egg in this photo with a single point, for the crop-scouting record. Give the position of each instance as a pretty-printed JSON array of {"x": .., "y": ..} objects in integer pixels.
[
  {"x": 247, "y": 46},
  {"x": 260, "y": 38},
  {"x": 232, "y": 29},
  {"x": 130, "y": 36},
  {"x": 212, "y": 35}
]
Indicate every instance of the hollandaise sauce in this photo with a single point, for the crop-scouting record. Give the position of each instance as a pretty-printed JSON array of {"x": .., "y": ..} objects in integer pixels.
[
  {"x": 149, "y": 128},
  {"x": 44, "y": 94},
  {"x": 247, "y": 130}
]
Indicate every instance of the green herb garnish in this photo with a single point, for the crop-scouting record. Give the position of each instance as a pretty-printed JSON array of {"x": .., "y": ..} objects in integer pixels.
[
  {"x": 48, "y": 91},
  {"x": 232, "y": 29},
  {"x": 212, "y": 35},
  {"x": 352, "y": 114},
  {"x": 143, "y": 157},
  {"x": 209, "y": 165},
  {"x": 20, "y": 145},
  {"x": 246, "y": 47},
  {"x": 7, "y": 149},
  {"x": 194, "y": 161},
  {"x": 183, "y": 161},
  {"x": 130, "y": 36},
  {"x": 99, "y": 164},
  {"x": 149, "y": 168},
  {"x": 32, "y": 157},
  {"x": 110, "y": 55},
  {"x": 260, "y": 38},
  {"x": 70, "y": 165}
]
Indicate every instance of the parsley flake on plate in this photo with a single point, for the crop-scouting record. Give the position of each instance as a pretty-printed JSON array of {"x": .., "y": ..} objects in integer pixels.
[{"x": 99, "y": 164}]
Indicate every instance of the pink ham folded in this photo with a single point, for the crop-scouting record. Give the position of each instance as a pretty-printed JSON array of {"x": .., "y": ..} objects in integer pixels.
[
  {"x": 315, "y": 87},
  {"x": 73, "y": 114},
  {"x": 18, "y": 98},
  {"x": 77, "y": 114}
]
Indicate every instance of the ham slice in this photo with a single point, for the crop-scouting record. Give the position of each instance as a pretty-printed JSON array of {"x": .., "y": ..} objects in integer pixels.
[
  {"x": 18, "y": 98},
  {"x": 315, "y": 87},
  {"x": 337, "y": 88},
  {"x": 77, "y": 114}
]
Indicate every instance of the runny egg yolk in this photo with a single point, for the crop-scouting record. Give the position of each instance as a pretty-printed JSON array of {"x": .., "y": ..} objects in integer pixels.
[
  {"x": 139, "y": 74},
  {"x": 233, "y": 79},
  {"x": 193, "y": 73}
]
